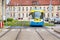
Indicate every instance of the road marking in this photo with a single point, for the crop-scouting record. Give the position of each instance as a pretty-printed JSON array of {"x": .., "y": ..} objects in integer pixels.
[
  {"x": 28, "y": 29},
  {"x": 43, "y": 30},
  {"x": 5, "y": 30},
  {"x": 50, "y": 29},
  {"x": 13, "y": 30}
]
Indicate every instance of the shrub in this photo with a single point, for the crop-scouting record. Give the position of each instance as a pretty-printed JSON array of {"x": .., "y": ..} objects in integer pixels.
[
  {"x": 10, "y": 19},
  {"x": 4, "y": 20}
]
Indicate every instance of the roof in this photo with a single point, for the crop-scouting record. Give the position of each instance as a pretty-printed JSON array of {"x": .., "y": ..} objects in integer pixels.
[{"x": 32, "y": 2}]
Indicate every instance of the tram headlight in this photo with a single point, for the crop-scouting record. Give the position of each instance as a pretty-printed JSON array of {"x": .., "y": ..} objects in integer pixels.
[{"x": 37, "y": 20}]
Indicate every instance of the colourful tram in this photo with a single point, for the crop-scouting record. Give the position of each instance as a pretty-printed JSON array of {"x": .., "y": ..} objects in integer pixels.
[{"x": 37, "y": 18}]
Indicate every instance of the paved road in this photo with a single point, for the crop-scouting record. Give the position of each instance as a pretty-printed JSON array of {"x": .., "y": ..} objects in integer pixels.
[
  {"x": 2, "y": 31},
  {"x": 56, "y": 28},
  {"x": 11, "y": 35},
  {"x": 47, "y": 35},
  {"x": 29, "y": 34}
]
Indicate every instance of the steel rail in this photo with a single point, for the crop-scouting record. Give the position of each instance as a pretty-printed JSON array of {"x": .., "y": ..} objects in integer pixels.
[
  {"x": 5, "y": 33},
  {"x": 39, "y": 34},
  {"x": 51, "y": 33},
  {"x": 18, "y": 34}
]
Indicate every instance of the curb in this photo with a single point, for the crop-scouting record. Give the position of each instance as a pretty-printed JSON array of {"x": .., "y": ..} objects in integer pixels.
[{"x": 55, "y": 30}]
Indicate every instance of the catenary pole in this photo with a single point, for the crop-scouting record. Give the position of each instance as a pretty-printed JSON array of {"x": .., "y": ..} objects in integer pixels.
[{"x": 50, "y": 9}]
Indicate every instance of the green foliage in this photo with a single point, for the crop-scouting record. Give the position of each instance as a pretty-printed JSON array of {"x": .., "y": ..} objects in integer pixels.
[
  {"x": 48, "y": 24},
  {"x": 23, "y": 23},
  {"x": 4, "y": 21},
  {"x": 10, "y": 19}
]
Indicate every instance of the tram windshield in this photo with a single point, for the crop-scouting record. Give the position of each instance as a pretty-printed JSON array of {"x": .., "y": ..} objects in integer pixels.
[{"x": 38, "y": 15}]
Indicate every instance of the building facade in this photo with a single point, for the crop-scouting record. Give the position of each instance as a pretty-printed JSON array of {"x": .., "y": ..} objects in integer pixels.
[
  {"x": 1, "y": 10},
  {"x": 21, "y": 8}
]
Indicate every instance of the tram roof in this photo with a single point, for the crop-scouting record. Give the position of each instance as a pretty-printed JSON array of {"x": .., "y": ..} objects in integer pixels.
[{"x": 37, "y": 11}]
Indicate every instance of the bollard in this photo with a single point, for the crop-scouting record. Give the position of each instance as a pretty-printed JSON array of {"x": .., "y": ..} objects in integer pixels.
[{"x": 1, "y": 24}]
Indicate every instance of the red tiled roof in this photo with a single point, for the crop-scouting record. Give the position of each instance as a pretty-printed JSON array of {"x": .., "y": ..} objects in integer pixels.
[{"x": 29, "y": 2}]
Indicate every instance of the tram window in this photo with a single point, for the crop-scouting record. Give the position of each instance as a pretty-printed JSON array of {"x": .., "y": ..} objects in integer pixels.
[
  {"x": 32, "y": 13},
  {"x": 42, "y": 15}
]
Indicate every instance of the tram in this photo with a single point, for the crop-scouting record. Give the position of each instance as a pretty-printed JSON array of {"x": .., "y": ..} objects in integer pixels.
[{"x": 37, "y": 18}]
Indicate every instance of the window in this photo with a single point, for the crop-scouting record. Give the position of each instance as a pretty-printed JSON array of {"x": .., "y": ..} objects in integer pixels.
[
  {"x": 58, "y": 8},
  {"x": 13, "y": 8},
  {"x": 30, "y": 8},
  {"x": 26, "y": 14},
  {"x": 57, "y": 14},
  {"x": 19, "y": 8},
  {"x": 13, "y": 14},
  {"x": 35, "y": 7},
  {"x": 52, "y": 14},
  {"x": 35, "y": 3},
  {"x": 7, "y": 14},
  {"x": 44, "y": 8},
  {"x": 9, "y": 8},
  {"x": 26, "y": 8},
  {"x": 19, "y": 14},
  {"x": 40, "y": 7},
  {"x": 48, "y": 14},
  {"x": 23, "y": 15},
  {"x": 49, "y": 8},
  {"x": 22, "y": 8}
]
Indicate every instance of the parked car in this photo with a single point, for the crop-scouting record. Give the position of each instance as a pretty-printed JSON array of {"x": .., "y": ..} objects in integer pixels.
[
  {"x": 57, "y": 20},
  {"x": 49, "y": 20}
]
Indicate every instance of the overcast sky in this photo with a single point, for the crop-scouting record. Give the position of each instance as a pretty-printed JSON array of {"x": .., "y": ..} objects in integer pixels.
[{"x": 7, "y": 1}]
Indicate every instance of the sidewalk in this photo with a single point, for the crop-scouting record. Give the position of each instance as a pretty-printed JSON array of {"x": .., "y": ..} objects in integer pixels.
[{"x": 56, "y": 28}]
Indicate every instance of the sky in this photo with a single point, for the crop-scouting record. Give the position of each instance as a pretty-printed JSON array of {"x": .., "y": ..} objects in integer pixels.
[{"x": 7, "y": 1}]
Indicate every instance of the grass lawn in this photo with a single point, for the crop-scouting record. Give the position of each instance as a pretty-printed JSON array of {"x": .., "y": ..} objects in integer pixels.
[{"x": 22, "y": 23}]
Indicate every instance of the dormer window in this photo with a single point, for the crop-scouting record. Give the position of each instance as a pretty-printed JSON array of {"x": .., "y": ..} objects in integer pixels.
[{"x": 35, "y": 3}]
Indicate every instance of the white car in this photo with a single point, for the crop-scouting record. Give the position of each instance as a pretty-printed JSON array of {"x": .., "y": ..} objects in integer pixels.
[{"x": 57, "y": 20}]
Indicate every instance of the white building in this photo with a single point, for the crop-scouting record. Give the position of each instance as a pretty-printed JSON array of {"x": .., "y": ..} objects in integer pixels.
[{"x": 21, "y": 8}]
